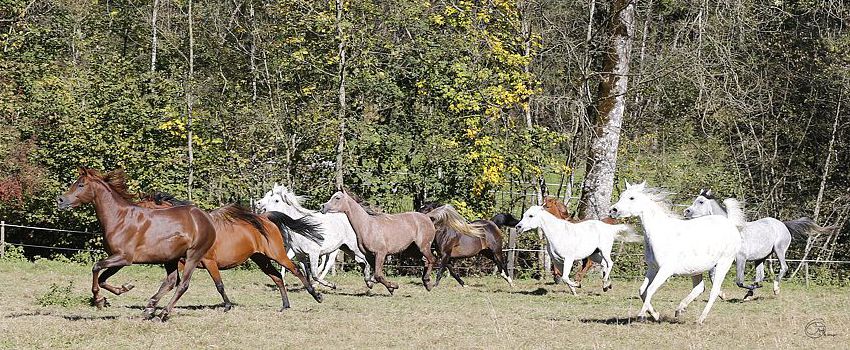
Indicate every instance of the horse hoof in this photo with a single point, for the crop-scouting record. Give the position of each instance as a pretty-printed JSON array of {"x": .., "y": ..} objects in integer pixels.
[
  {"x": 679, "y": 313},
  {"x": 162, "y": 317},
  {"x": 776, "y": 292},
  {"x": 149, "y": 313},
  {"x": 370, "y": 284},
  {"x": 228, "y": 307},
  {"x": 318, "y": 296},
  {"x": 655, "y": 316},
  {"x": 127, "y": 287},
  {"x": 101, "y": 303},
  {"x": 749, "y": 295}
]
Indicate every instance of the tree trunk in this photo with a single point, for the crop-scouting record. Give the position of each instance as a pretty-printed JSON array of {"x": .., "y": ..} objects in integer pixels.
[
  {"x": 189, "y": 102},
  {"x": 153, "y": 35},
  {"x": 341, "y": 114},
  {"x": 602, "y": 160}
]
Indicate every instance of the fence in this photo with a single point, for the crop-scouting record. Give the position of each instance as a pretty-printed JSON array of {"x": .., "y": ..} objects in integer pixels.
[{"x": 510, "y": 250}]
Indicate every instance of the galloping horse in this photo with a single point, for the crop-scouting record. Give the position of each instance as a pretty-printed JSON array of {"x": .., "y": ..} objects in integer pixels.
[
  {"x": 335, "y": 230},
  {"x": 243, "y": 235},
  {"x": 681, "y": 247},
  {"x": 569, "y": 242},
  {"x": 760, "y": 239},
  {"x": 455, "y": 238},
  {"x": 145, "y": 236},
  {"x": 383, "y": 234}
]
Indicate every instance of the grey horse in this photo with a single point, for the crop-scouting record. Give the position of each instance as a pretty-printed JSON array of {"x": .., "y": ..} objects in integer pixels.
[{"x": 760, "y": 238}]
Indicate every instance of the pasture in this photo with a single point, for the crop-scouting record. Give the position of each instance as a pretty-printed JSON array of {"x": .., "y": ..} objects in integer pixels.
[{"x": 486, "y": 314}]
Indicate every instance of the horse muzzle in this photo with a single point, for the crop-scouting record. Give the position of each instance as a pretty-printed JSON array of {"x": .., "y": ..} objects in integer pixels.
[
  {"x": 614, "y": 213},
  {"x": 688, "y": 213},
  {"x": 63, "y": 203}
]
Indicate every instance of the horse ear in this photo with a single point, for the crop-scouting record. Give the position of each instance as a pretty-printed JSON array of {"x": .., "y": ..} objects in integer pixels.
[
  {"x": 628, "y": 185},
  {"x": 641, "y": 186},
  {"x": 709, "y": 193},
  {"x": 81, "y": 170}
]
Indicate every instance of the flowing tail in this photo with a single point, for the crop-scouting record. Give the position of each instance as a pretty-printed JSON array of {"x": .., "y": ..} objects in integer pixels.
[
  {"x": 448, "y": 216},
  {"x": 735, "y": 213},
  {"x": 626, "y": 233},
  {"x": 304, "y": 226},
  {"x": 804, "y": 226}
]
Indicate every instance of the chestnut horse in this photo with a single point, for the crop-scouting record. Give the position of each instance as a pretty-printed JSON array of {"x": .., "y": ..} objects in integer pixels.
[
  {"x": 455, "y": 238},
  {"x": 243, "y": 235},
  {"x": 383, "y": 234},
  {"x": 559, "y": 210},
  {"x": 147, "y": 236}
]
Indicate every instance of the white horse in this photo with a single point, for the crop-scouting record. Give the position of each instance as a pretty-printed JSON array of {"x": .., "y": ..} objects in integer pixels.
[
  {"x": 569, "y": 242},
  {"x": 760, "y": 238},
  {"x": 681, "y": 247},
  {"x": 336, "y": 230}
]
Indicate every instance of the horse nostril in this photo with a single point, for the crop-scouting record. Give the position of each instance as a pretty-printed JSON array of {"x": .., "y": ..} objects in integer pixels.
[{"x": 614, "y": 210}]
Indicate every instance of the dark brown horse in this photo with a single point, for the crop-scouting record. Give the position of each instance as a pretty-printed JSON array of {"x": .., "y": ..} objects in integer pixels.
[
  {"x": 136, "y": 235},
  {"x": 243, "y": 235},
  {"x": 455, "y": 238},
  {"x": 383, "y": 234},
  {"x": 557, "y": 208}
]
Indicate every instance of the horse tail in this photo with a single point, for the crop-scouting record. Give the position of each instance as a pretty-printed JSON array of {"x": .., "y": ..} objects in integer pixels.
[
  {"x": 304, "y": 226},
  {"x": 804, "y": 226},
  {"x": 735, "y": 213},
  {"x": 626, "y": 233},
  {"x": 447, "y": 215},
  {"x": 504, "y": 219},
  {"x": 231, "y": 213}
]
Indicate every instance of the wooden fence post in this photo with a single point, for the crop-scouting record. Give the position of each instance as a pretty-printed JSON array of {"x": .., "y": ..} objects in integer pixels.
[
  {"x": 511, "y": 253},
  {"x": 807, "y": 272},
  {"x": 2, "y": 239}
]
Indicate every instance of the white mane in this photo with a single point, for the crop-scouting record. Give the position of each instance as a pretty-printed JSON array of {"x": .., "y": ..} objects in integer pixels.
[{"x": 293, "y": 200}]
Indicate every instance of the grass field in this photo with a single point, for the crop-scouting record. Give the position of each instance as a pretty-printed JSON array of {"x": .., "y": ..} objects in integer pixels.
[{"x": 487, "y": 314}]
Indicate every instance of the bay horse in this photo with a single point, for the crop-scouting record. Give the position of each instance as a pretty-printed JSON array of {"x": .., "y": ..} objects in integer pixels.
[
  {"x": 456, "y": 238},
  {"x": 681, "y": 247},
  {"x": 136, "y": 235},
  {"x": 569, "y": 242},
  {"x": 761, "y": 238},
  {"x": 243, "y": 235},
  {"x": 559, "y": 210},
  {"x": 383, "y": 234}
]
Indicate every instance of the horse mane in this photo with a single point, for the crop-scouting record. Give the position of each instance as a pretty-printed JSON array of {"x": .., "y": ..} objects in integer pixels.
[
  {"x": 370, "y": 209},
  {"x": 448, "y": 216},
  {"x": 295, "y": 200},
  {"x": 165, "y": 197},
  {"x": 557, "y": 204},
  {"x": 660, "y": 197},
  {"x": 115, "y": 180},
  {"x": 231, "y": 213}
]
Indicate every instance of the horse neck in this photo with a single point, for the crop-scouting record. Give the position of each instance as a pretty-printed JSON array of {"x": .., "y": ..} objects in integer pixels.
[
  {"x": 551, "y": 224},
  {"x": 108, "y": 206},
  {"x": 357, "y": 217},
  {"x": 654, "y": 219},
  {"x": 716, "y": 209}
]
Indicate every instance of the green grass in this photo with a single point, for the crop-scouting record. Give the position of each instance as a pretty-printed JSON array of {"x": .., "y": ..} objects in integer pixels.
[{"x": 487, "y": 314}]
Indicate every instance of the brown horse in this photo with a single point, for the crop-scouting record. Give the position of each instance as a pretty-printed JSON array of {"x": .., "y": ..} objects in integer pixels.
[
  {"x": 559, "y": 210},
  {"x": 243, "y": 235},
  {"x": 455, "y": 238},
  {"x": 146, "y": 236},
  {"x": 383, "y": 234}
]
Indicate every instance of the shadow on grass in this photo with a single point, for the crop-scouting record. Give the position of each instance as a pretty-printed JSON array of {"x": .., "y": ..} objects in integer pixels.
[
  {"x": 629, "y": 320},
  {"x": 67, "y": 317},
  {"x": 539, "y": 291},
  {"x": 184, "y": 307},
  {"x": 368, "y": 293}
]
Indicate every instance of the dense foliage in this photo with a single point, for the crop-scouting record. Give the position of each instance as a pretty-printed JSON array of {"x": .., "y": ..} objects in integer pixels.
[{"x": 461, "y": 101}]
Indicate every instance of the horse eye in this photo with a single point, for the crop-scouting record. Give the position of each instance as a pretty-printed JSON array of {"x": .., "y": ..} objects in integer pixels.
[
  {"x": 700, "y": 202},
  {"x": 631, "y": 198},
  {"x": 277, "y": 201},
  {"x": 80, "y": 185}
]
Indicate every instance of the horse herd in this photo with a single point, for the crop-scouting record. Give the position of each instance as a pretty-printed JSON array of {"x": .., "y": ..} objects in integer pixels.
[{"x": 160, "y": 229}]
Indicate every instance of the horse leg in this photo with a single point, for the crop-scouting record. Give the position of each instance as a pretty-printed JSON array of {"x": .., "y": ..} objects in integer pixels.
[
  {"x": 330, "y": 260},
  {"x": 607, "y": 265},
  {"x": 212, "y": 268},
  {"x": 444, "y": 261},
  {"x": 501, "y": 264},
  {"x": 126, "y": 287},
  {"x": 303, "y": 277},
  {"x": 651, "y": 272},
  {"x": 265, "y": 264},
  {"x": 314, "y": 268},
  {"x": 720, "y": 271},
  {"x": 379, "y": 273},
  {"x": 425, "y": 249},
  {"x": 587, "y": 264},
  {"x": 455, "y": 275},
  {"x": 112, "y": 261},
  {"x": 783, "y": 268},
  {"x": 172, "y": 277},
  {"x": 660, "y": 277},
  {"x": 291, "y": 255},
  {"x": 699, "y": 287},
  {"x": 566, "y": 275},
  {"x": 360, "y": 258},
  {"x": 740, "y": 265},
  {"x": 189, "y": 268}
]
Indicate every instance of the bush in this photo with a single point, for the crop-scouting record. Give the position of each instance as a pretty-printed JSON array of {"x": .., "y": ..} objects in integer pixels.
[
  {"x": 61, "y": 296},
  {"x": 14, "y": 253}
]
